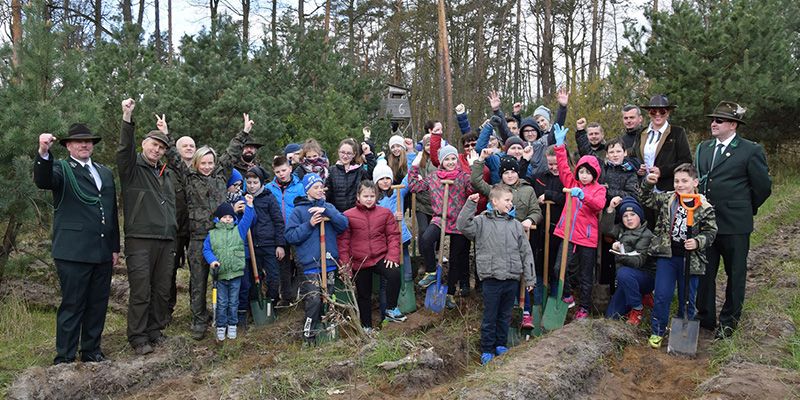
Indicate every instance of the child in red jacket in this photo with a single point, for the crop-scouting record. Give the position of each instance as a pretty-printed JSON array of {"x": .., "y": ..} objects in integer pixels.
[
  {"x": 588, "y": 199},
  {"x": 371, "y": 244}
]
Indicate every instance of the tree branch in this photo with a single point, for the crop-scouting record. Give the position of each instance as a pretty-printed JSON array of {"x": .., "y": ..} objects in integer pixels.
[{"x": 82, "y": 15}]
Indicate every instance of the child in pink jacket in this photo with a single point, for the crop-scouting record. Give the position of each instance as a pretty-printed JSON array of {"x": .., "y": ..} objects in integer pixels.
[{"x": 588, "y": 199}]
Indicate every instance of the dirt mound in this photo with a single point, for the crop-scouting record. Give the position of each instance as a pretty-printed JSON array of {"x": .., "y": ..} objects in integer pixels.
[
  {"x": 101, "y": 380},
  {"x": 744, "y": 380},
  {"x": 559, "y": 365}
]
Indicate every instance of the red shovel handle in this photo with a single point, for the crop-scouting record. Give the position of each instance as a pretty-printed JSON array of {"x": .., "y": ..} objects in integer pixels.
[{"x": 683, "y": 198}]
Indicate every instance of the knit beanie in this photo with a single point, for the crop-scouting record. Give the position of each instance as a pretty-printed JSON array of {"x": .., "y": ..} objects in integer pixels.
[
  {"x": 224, "y": 209},
  {"x": 630, "y": 204},
  {"x": 512, "y": 140},
  {"x": 291, "y": 148},
  {"x": 396, "y": 139},
  {"x": 508, "y": 163},
  {"x": 543, "y": 111},
  {"x": 236, "y": 176},
  {"x": 381, "y": 171},
  {"x": 309, "y": 180},
  {"x": 259, "y": 172},
  {"x": 446, "y": 151}
]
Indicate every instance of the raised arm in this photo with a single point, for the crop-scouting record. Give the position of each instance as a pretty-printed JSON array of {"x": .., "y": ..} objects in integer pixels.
[
  {"x": 44, "y": 174},
  {"x": 234, "y": 150},
  {"x": 476, "y": 175},
  {"x": 126, "y": 152}
]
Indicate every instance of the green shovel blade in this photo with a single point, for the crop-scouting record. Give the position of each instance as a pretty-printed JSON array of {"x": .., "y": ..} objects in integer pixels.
[{"x": 555, "y": 313}]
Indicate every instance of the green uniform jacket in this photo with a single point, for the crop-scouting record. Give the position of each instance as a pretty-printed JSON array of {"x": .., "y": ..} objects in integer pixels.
[
  {"x": 82, "y": 231},
  {"x": 737, "y": 185},
  {"x": 148, "y": 194},
  {"x": 704, "y": 229},
  {"x": 526, "y": 203},
  {"x": 638, "y": 240}
]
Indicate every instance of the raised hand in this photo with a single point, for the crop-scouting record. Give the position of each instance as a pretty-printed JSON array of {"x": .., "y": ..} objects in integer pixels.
[
  {"x": 560, "y": 133},
  {"x": 615, "y": 202},
  {"x": 249, "y": 198},
  {"x": 127, "y": 109},
  {"x": 472, "y": 156},
  {"x": 161, "y": 124},
  {"x": 365, "y": 149},
  {"x": 248, "y": 123},
  {"x": 474, "y": 197},
  {"x": 516, "y": 108},
  {"x": 581, "y": 124},
  {"x": 527, "y": 152},
  {"x": 46, "y": 140},
  {"x": 485, "y": 153},
  {"x": 494, "y": 100},
  {"x": 563, "y": 96}
]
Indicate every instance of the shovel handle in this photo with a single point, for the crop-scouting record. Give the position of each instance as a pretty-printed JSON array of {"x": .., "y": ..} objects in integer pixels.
[
  {"x": 446, "y": 183},
  {"x": 252, "y": 257},
  {"x": 323, "y": 259},
  {"x": 565, "y": 245},
  {"x": 696, "y": 200},
  {"x": 546, "y": 267}
]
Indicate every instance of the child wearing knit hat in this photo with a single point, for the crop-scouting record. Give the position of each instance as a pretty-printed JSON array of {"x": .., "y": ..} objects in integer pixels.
[{"x": 457, "y": 196}]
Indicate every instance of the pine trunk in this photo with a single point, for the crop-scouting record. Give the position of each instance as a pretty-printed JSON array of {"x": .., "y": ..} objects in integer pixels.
[
  {"x": 159, "y": 50},
  {"x": 448, "y": 83}
]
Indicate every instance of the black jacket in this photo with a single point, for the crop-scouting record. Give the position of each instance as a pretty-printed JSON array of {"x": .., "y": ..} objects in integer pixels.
[
  {"x": 621, "y": 180},
  {"x": 342, "y": 185},
  {"x": 673, "y": 150},
  {"x": 268, "y": 229},
  {"x": 550, "y": 186}
]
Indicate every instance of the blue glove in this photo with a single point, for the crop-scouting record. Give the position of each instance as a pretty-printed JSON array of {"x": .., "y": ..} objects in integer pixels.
[
  {"x": 577, "y": 192},
  {"x": 419, "y": 146},
  {"x": 560, "y": 133}
]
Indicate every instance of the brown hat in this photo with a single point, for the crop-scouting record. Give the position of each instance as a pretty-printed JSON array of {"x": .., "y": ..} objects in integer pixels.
[
  {"x": 79, "y": 132},
  {"x": 729, "y": 110},
  {"x": 158, "y": 135},
  {"x": 659, "y": 101},
  {"x": 250, "y": 141}
]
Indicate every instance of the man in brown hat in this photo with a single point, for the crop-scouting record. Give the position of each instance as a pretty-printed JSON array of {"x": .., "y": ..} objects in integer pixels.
[
  {"x": 248, "y": 160},
  {"x": 150, "y": 229},
  {"x": 85, "y": 240},
  {"x": 734, "y": 177},
  {"x": 661, "y": 146}
]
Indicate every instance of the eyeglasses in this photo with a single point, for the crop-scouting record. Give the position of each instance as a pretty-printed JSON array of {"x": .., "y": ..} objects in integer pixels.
[
  {"x": 345, "y": 153},
  {"x": 658, "y": 111},
  {"x": 719, "y": 121},
  {"x": 469, "y": 145},
  {"x": 529, "y": 130}
]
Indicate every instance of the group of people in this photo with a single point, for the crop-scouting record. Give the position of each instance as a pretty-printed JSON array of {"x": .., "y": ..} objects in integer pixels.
[{"x": 630, "y": 199}]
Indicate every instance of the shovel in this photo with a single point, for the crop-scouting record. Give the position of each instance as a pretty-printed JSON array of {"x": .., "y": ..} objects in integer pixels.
[
  {"x": 214, "y": 278},
  {"x": 327, "y": 332},
  {"x": 436, "y": 296},
  {"x": 546, "y": 266},
  {"x": 261, "y": 307},
  {"x": 413, "y": 225},
  {"x": 407, "y": 301},
  {"x": 555, "y": 313},
  {"x": 683, "y": 333}
]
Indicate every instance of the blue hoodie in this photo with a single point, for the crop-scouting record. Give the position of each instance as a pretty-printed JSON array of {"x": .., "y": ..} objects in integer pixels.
[
  {"x": 287, "y": 197},
  {"x": 305, "y": 237},
  {"x": 390, "y": 201}
]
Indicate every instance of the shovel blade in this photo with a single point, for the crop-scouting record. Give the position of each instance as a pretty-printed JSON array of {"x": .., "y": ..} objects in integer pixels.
[
  {"x": 263, "y": 312},
  {"x": 407, "y": 302},
  {"x": 555, "y": 314},
  {"x": 537, "y": 320},
  {"x": 435, "y": 297},
  {"x": 683, "y": 335}
]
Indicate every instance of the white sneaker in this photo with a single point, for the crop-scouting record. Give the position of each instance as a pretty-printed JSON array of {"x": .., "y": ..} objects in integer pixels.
[
  {"x": 231, "y": 331},
  {"x": 220, "y": 333}
]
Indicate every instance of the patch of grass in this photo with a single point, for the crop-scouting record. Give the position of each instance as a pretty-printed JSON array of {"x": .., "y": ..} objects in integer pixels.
[{"x": 779, "y": 210}]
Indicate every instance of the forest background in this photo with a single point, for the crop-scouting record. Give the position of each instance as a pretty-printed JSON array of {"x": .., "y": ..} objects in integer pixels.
[{"x": 321, "y": 70}]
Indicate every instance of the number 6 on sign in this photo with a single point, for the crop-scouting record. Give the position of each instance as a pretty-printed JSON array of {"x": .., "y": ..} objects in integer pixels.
[{"x": 400, "y": 109}]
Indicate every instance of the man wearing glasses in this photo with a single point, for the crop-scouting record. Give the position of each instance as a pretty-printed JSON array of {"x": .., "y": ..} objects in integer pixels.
[
  {"x": 661, "y": 146},
  {"x": 735, "y": 179}
]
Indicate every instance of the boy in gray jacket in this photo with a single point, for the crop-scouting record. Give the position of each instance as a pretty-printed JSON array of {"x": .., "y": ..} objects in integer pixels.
[{"x": 502, "y": 255}]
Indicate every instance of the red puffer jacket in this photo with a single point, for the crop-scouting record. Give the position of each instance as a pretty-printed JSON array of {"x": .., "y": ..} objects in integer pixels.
[
  {"x": 371, "y": 236},
  {"x": 585, "y": 213}
]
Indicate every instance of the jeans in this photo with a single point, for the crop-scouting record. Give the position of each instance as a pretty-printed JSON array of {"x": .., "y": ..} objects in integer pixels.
[
  {"x": 632, "y": 283},
  {"x": 268, "y": 263},
  {"x": 228, "y": 302},
  {"x": 580, "y": 270},
  {"x": 669, "y": 271},
  {"x": 498, "y": 301}
]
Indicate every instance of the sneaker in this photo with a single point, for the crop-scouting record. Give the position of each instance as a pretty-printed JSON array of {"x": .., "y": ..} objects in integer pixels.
[
  {"x": 647, "y": 300},
  {"x": 450, "y": 303},
  {"x": 581, "y": 314},
  {"x": 143, "y": 349},
  {"x": 428, "y": 279},
  {"x": 283, "y": 303},
  {"x": 220, "y": 333},
  {"x": 309, "y": 341},
  {"x": 394, "y": 315},
  {"x": 500, "y": 350},
  {"x": 486, "y": 357},
  {"x": 231, "y": 331},
  {"x": 569, "y": 300},
  {"x": 368, "y": 331},
  {"x": 444, "y": 260},
  {"x": 655, "y": 341},
  {"x": 635, "y": 317},
  {"x": 527, "y": 321}
]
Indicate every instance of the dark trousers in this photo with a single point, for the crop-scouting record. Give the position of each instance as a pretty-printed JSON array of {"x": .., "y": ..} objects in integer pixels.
[
  {"x": 198, "y": 285},
  {"x": 552, "y": 276},
  {"x": 82, "y": 314},
  {"x": 181, "y": 246},
  {"x": 458, "y": 270},
  {"x": 669, "y": 273},
  {"x": 498, "y": 301},
  {"x": 311, "y": 295},
  {"x": 581, "y": 262},
  {"x": 363, "y": 281},
  {"x": 287, "y": 269},
  {"x": 732, "y": 249},
  {"x": 607, "y": 270},
  {"x": 632, "y": 283},
  {"x": 150, "y": 264}
]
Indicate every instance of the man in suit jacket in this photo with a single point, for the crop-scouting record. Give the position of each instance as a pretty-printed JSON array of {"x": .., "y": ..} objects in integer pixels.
[
  {"x": 734, "y": 177},
  {"x": 85, "y": 240}
]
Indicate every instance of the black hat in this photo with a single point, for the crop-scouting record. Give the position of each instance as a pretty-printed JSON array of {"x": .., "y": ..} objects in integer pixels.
[
  {"x": 79, "y": 132},
  {"x": 729, "y": 110},
  {"x": 158, "y": 135},
  {"x": 508, "y": 163},
  {"x": 252, "y": 142},
  {"x": 659, "y": 101},
  {"x": 224, "y": 209},
  {"x": 260, "y": 172}
]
